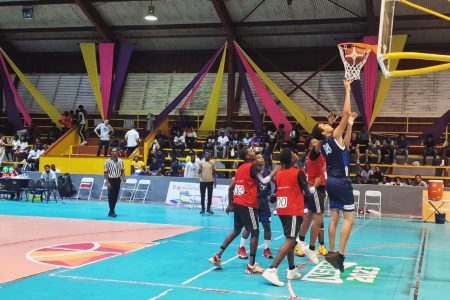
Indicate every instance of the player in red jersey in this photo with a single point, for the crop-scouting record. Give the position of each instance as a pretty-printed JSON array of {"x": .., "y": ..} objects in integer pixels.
[
  {"x": 292, "y": 187},
  {"x": 243, "y": 197}
]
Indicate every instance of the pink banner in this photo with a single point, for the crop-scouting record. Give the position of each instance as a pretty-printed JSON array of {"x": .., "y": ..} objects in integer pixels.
[
  {"x": 370, "y": 77},
  {"x": 274, "y": 112},
  {"x": 106, "y": 52},
  {"x": 19, "y": 101},
  {"x": 194, "y": 90}
]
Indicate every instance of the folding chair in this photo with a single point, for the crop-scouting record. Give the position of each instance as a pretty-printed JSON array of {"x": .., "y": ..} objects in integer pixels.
[
  {"x": 372, "y": 194},
  {"x": 50, "y": 189},
  {"x": 34, "y": 188},
  {"x": 357, "y": 195},
  {"x": 128, "y": 188},
  {"x": 142, "y": 187},
  {"x": 86, "y": 185},
  {"x": 104, "y": 191}
]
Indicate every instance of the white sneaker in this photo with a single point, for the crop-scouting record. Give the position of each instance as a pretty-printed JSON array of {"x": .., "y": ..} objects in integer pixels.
[
  {"x": 255, "y": 269},
  {"x": 216, "y": 261},
  {"x": 301, "y": 244},
  {"x": 312, "y": 255},
  {"x": 293, "y": 274},
  {"x": 271, "y": 275}
]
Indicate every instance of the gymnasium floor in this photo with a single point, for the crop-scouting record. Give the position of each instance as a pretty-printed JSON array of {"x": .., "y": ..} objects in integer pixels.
[{"x": 159, "y": 252}]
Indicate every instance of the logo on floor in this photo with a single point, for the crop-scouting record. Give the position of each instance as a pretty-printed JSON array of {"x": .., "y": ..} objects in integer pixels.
[
  {"x": 353, "y": 273},
  {"x": 80, "y": 254}
]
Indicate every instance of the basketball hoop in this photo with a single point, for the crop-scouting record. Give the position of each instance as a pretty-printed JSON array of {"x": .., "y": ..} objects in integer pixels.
[{"x": 354, "y": 56}]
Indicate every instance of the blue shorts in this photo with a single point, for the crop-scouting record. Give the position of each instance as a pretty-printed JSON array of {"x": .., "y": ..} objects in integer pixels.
[
  {"x": 264, "y": 213},
  {"x": 340, "y": 193}
]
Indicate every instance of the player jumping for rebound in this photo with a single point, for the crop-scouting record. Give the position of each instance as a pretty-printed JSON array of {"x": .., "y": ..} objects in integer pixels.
[
  {"x": 292, "y": 187},
  {"x": 243, "y": 195},
  {"x": 339, "y": 186}
]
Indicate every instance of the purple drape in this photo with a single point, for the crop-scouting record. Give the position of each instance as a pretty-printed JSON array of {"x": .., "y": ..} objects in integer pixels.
[
  {"x": 254, "y": 112},
  {"x": 11, "y": 108},
  {"x": 437, "y": 128},
  {"x": 370, "y": 77},
  {"x": 183, "y": 93},
  {"x": 120, "y": 74},
  {"x": 359, "y": 99}
]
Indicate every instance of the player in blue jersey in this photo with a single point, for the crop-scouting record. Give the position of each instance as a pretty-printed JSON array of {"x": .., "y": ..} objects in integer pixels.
[{"x": 339, "y": 187}]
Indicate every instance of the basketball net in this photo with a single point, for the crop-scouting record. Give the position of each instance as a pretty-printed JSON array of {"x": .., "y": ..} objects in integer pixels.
[{"x": 353, "y": 70}]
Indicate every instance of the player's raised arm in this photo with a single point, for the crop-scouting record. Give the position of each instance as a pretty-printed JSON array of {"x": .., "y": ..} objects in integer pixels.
[
  {"x": 347, "y": 110},
  {"x": 348, "y": 133}
]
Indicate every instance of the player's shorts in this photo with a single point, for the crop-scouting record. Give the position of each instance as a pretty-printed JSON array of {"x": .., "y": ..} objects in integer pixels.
[
  {"x": 291, "y": 225},
  {"x": 264, "y": 214},
  {"x": 246, "y": 217},
  {"x": 316, "y": 204},
  {"x": 340, "y": 193}
]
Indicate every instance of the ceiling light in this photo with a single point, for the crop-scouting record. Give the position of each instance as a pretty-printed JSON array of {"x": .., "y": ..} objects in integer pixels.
[
  {"x": 27, "y": 12},
  {"x": 151, "y": 13}
]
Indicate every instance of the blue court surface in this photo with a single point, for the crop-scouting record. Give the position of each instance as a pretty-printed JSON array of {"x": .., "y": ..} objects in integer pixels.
[{"x": 386, "y": 259}]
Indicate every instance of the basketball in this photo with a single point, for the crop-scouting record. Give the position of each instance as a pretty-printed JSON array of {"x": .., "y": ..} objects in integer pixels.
[{"x": 354, "y": 55}]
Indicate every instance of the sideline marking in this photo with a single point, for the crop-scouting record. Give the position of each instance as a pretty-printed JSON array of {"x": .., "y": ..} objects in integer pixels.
[
  {"x": 419, "y": 269},
  {"x": 161, "y": 295}
]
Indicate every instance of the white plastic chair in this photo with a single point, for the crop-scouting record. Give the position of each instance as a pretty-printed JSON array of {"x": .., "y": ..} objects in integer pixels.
[
  {"x": 102, "y": 193},
  {"x": 128, "y": 188},
  {"x": 142, "y": 188},
  {"x": 372, "y": 194},
  {"x": 357, "y": 195},
  {"x": 86, "y": 185}
]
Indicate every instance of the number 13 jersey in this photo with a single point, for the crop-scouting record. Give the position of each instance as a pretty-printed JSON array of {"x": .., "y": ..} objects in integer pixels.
[{"x": 290, "y": 201}]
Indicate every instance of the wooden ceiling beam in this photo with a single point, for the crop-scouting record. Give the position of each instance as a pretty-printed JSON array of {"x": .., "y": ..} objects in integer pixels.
[{"x": 96, "y": 20}]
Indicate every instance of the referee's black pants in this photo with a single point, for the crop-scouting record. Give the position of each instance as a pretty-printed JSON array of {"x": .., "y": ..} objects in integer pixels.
[
  {"x": 113, "y": 193},
  {"x": 203, "y": 187}
]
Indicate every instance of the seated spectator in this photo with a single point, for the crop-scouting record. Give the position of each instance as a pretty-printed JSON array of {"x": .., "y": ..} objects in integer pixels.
[
  {"x": 190, "y": 154},
  {"x": 154, "y": 147},
  {"x": 401, "y": 148},
  {"x": 38, "y": 144},
  {"x": 294, "y": 136},
  {"x": 429, "y": 149},
  {"x": 364, "y": 138},
  {"x": 378, "y": 174},
  {"x": 22, "y": 150},
  {"x": 179, "y": 141},
  {"x": 397, "y": 182},
  {"x": 137, "y": 166},
  {"x": 210, "y": 142},
  {"x": 160, "y": 157},
  {"x": 175, "y": 167},
  {"x": 246, "y": 141},
  {"x": 174, "y": 130},
  {"x": 366, "y": 172},
  {"x": 221, "y": 145},
  {"x": 374, "y": 146},
  {"x": 385, "y": 181},
  {"x": 354, "y": 146},
  {"x": 191, "y": 169},
  {"x": 445, "y": 153},
  {"x": 281, "y": 136},
  {"x": 419, "y": 182},
  {"x": 162, "y": 139},
  {"x": 358, "y": 179},
  {"x": 155, "y": 167},
  {"x": 387, "y": 149},
  {"x": 255, "y": 143},
  {"x": 122, "y": 149},
  {"x": 54, "y": 169},
  {"x": 190, "y": 136},
  {"x": 408, "y": 182},
  {"x": 2, "y": 148},
  {"x": 48, "y": 175},
  {"x": 33, "y": 157},
  {"x": 272, "y": 137},
  {"x": 15, "y": 144}
]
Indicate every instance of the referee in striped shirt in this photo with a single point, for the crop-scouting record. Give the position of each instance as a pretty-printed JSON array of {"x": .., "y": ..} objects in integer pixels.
[{"x": 113, "y": 176}]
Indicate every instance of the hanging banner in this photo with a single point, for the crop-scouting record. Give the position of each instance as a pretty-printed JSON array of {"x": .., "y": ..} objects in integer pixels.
[
  {"x": 11, "y": 108},
  {"x": 106, "y": 54},
  {"x": 302, "y": 117},
  {"x": 437, "y": 128},
  {"x": 252, "y": 107},
  {"x": 397, "y": 45},
  {"x": 90, "y": 61},
  {"x": 370, "y": 78},
  {"x": 274, "y": 112},
  {"x": 12, "y": 88},
  {"x": 210, "y": 117},
  {"x": 123, "y": 60},
  {"x": 359, "y": 99},
  {"x": 197, "y": 85}
]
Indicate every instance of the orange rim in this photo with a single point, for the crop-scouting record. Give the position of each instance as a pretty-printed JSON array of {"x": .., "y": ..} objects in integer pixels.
[{"x": 372, "y": 48}]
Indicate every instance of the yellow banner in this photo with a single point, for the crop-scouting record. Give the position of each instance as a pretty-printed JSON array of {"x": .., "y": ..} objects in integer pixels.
[
  {"x": 210, "y": 118},
  {"x": 90, "y": 61},
  {"x": 49, "y": 109},
  {"x": 398, "y": 43},
  {"x": 296, "y": 111}
]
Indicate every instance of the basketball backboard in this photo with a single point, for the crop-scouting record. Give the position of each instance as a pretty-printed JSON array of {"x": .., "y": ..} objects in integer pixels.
[{"x": 385, "y": 33}]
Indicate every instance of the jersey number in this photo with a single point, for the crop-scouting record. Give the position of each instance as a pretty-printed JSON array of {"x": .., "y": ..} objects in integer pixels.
[
  {"x": 239, "y": 190},
  {"x": 282, "y": 202}
]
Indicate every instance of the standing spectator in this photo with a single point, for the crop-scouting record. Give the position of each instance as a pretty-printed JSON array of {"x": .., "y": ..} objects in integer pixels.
[
  {"x": 207, "y": 172},
  {"x": 82, "y": 124},
  {"x": 2, "y": 148},
  {"x": 104, "y": 131},
  {"x": 445, "y": 153},
  {"x": 429, "y": 149},
  {"x": 150, "y": 122},
  {"x": 191, "y": 169},
  {"x": 179, "y": 142},
  {"x": 222, "y": 143},
  {"x": 113, "y": 176},
  {"x": 401, "y": 148},
  {"x": 132, "y": 137},
  {"x": 354, "y": 146},
  {"x": 190, "y": 136},
  {"x": 374, "y": 146},
  {"x": 418, "y": 181}
]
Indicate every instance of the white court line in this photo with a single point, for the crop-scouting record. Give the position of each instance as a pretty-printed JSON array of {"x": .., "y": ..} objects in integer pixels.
[
  {"x": 161, "y": 294},
  {"x": 382, "y": 256},
  {"x": 213, "y": 268}
]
